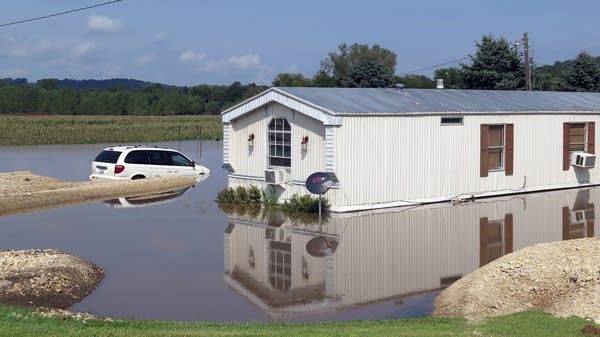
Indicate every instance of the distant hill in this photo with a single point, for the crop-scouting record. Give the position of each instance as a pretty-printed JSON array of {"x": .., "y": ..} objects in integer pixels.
[
  {"x": 107, "y": 84},
  {"x": 112, "y": 83}
]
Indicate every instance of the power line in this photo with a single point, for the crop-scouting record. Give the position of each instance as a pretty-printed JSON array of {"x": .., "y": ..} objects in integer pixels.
[
  {"x": 435, "y": 66},
  {"x": 57, "y": 14}
]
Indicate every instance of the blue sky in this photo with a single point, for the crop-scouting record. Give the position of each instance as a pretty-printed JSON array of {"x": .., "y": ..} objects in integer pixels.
[{"x": 189, "y": 42}]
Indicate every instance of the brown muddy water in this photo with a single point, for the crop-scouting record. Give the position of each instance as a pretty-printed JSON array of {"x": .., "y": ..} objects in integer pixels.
[{"x": 178, "y": 257}]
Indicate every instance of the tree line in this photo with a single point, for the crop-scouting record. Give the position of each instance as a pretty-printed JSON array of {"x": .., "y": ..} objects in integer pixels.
[
  {"x": 496, "y": 65},
  {"x": 48, "y": 96}
]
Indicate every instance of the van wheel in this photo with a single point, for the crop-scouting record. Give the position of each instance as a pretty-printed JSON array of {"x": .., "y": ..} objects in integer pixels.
[{"x": 137, "y": 177}]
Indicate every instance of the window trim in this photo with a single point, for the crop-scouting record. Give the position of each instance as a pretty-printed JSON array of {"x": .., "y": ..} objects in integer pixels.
[
  {"x": 508, "y": 164},
  {"x": 590, "y": 141},
  {"x": 283, "y": 144},
  {"x": 502, "y": 148}
]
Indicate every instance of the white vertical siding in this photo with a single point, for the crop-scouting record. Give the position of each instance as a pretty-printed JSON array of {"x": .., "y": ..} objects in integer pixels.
[
  {"x": 407, "y": 158},
  {"x": 306, "y": 162},
  {"x": 250, "y": 162}
]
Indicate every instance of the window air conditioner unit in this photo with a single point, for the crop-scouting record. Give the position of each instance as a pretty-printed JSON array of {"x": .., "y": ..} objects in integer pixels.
[
  {"x": 581, "y": 216},
  {"x": 583, "y": 159},
  {"x": 275, "y": 176}
]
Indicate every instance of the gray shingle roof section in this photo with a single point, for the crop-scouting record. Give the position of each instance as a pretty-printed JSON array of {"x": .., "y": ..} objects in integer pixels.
[{"x": 391, "y": 101}]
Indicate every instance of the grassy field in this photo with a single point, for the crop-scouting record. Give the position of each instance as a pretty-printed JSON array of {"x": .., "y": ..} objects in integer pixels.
[
  {"x": 21, "y": 322},
  {"x": 30, "y": 130}
]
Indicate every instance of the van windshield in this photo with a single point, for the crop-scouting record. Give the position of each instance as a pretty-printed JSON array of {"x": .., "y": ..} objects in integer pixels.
[{"x": 108, "y": 157}]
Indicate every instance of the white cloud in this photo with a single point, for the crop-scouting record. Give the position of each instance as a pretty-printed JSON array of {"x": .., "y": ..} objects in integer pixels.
[
  {"x": 103, "y": 24},
  {"x": 190, "y": 56},
  {"x": 292, "y": 69},
  {"x": 160, "y": 36},
  {"x": 83, "y": 49},
  {"x": 27, "y": 50},
  {"x": 245, "y": 61},
  {"x": 145, "y": 59},
  {"x": 14, "y": 72}
]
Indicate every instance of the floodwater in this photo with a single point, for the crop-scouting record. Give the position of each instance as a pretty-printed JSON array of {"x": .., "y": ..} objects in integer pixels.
[{"x": 179, "y": 257}]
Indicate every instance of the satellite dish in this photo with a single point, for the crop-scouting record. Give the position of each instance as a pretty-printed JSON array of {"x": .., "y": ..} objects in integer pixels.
[
  {"x": 320, "y": 246},
  {"x": 320, "y": 182}
]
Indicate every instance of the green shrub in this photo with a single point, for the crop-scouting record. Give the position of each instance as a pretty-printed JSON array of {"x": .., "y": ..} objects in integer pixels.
[
  {"x": 303, "y": 204},
  {"x": 241, "y": 195},
  {"x": 254, "y": 194},
  {"x": 236, "y": 201},
  {"x": 269, "y": 199},
  {"x": 226, "y": 196}
]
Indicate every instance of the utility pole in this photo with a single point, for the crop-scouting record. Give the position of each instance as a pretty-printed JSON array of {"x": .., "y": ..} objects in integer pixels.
[{"x": 527, "y": 66}]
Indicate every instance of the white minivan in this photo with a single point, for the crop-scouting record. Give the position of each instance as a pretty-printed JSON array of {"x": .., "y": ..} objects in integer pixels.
[{"x": 139, "y": 162}]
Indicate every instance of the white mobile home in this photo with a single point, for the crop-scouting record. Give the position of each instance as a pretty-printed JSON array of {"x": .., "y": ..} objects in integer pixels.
[{"x": 395, "y": 147}]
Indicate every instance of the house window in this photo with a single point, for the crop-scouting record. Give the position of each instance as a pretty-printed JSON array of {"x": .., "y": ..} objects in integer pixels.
[
  {"x": 577, "y": 137},
  {"x": 496, "y": 148},
  {"x": 280, "y": 145}
]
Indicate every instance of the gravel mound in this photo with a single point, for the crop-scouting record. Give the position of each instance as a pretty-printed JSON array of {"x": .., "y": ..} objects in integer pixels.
[
  {"x": 46, "y": 278},
  {"x": 24, "y": 191},
  {"x": 562, "y": 278}
]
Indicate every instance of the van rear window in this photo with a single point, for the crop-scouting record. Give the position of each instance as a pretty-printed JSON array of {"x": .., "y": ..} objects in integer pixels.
[{"x": 108, "y": 157}]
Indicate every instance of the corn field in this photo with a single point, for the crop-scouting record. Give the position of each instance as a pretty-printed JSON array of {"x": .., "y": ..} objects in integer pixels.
[{"x": 32, "y": 130}]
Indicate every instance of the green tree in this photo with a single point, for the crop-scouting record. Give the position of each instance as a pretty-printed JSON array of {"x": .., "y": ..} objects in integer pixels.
[
  {"x": 452, "y": 77},
  {"x": 415, "y": 81},
  {"x": 358, "y": 60},
  {"x": 322, "y": 80},
  {"x": 583, "y": 75},
  {"x": 369, "y": 73},
  {"x": 291, "y": 80},
  {"x": 495, "y": 65},
  {"x": 49, "y": 83}
]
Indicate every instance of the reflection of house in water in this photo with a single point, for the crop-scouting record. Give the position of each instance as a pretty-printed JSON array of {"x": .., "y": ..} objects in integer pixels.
[{"x": 385, "y": 255}]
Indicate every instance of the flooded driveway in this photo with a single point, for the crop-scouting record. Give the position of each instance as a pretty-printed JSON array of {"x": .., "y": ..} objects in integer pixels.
[{"x": 178, "y": 257}]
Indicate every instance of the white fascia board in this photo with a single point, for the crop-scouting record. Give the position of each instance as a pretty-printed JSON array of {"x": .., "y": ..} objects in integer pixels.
[{"x": 274, "y": 95}]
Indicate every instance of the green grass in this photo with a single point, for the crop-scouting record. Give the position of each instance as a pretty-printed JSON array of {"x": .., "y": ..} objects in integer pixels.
[
  {"x": 21, "y": 322},
  {"x": 31, "y": 130}
]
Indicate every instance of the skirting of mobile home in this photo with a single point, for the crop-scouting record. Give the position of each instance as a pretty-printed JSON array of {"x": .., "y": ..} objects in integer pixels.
[{"x": 398, "y": 147}]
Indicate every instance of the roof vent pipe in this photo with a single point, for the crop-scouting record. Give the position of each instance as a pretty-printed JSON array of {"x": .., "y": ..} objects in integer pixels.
[
  {"x": 399, "y": 86},
  {"x": 440, "y": 83}
]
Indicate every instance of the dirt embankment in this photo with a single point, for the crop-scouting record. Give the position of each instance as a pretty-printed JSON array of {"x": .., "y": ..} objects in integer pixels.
[
  {"x": 24, "y": 191},
  {"x": 46, "y": 278},
  {"x": 562, "y": 278}
]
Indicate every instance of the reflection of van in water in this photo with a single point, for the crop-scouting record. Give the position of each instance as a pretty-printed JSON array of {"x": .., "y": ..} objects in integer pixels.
[{"x": 146, "y": 200}]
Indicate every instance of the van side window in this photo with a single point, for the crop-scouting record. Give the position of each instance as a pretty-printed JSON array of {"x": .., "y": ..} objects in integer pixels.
[
  {"x": 160, "y": 158},
  {"x": 179, "y": 160},
  {"x": 137, "y": 157}
]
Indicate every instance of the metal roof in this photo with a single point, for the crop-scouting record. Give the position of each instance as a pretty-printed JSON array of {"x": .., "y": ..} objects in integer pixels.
[{"x": 391, "y": 101}]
